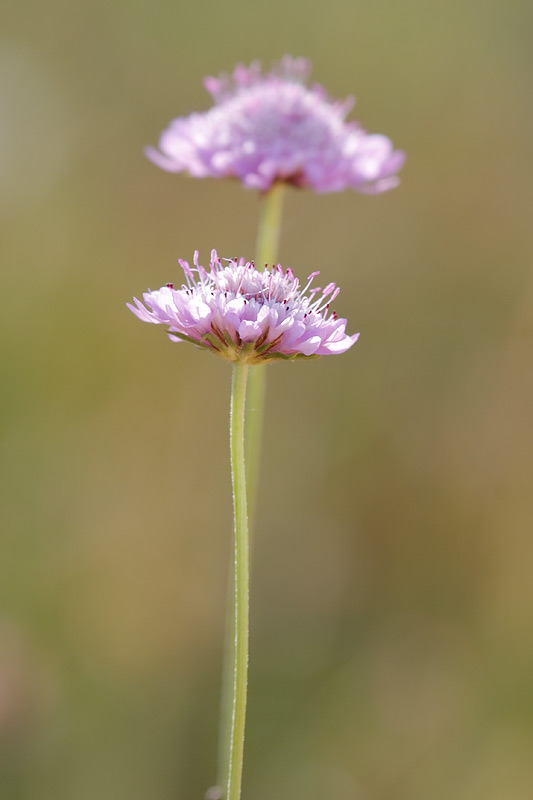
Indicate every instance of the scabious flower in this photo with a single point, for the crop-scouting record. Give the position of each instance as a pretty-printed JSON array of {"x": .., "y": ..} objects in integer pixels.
[
  {"x": 272, "y": 127},
  {"x": 243, "y": 314}
]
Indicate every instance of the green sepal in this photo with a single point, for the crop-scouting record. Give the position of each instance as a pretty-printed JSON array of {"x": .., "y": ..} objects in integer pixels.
[
  {"x": 185, "y": 338},
  {"x": 278, "y": 356},
  {"x": 245, "y": 350},
  {"x": 213, "y": 340}
]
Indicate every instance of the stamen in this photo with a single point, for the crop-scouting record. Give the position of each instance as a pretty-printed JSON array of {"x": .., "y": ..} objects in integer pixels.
[
  {"x": 187, "y": 271},
  {"x": 310, "y": 280},
  {"x": 246, "y": 266}
]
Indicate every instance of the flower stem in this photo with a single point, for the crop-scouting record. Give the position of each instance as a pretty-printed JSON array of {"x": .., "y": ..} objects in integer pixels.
[
  {"x": 241, "y": 582},
  {"x": 269, "y": 226},
  {"x": 266, "y": 253}
]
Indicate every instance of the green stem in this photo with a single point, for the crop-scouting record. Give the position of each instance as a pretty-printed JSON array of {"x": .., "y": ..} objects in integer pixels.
[
  {"x": 266, "y": 253},
  {"x": 269, "y": 226},
  {"x": 241, "y": 582}
]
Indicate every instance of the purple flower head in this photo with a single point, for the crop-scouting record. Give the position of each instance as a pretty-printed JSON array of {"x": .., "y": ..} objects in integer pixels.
[
  {"x": 243, "y": 314},
  {"x": 272, "y": 127}
]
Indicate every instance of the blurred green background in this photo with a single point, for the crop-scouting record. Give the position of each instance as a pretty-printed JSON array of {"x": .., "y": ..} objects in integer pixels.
[{"x": 392, "y": 599}]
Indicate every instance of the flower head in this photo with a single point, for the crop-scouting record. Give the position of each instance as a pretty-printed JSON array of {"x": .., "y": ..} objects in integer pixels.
[
  {"x": 243, "y": 314},
  {"x": 272, "y": 127}
]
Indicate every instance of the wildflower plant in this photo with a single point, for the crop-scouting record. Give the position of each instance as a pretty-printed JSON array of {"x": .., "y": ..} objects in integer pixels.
[
  {"x": 268, "y": 128},
  {"x": 242, "y": 314},
  {"x": 268, "y": 131}
]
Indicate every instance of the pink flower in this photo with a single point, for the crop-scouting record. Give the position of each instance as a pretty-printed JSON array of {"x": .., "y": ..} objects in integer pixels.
[
  {"x": 272, "y": 127},
  {"x": 243, "y": 314}
]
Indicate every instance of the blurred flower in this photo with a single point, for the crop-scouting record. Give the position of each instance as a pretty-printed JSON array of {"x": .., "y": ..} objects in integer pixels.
[
  {"x": 242, "y": 314},
  {"x": 272, "y": 127}
]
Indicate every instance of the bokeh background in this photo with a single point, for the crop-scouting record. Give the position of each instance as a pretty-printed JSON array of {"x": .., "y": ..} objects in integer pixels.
[{"x": 392, "y": 599}]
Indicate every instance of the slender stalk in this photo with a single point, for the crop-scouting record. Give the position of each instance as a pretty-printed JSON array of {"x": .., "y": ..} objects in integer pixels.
[
  {"x": 269, "y": 226},
  {"x": 241, "y": 582},
  {"x": 266, "y": 253}
]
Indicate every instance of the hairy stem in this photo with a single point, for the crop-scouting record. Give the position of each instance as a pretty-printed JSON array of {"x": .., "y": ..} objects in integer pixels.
[
  {"x": 241, "y": 582},
  {"x": 266, "y": 253}
]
